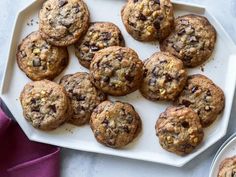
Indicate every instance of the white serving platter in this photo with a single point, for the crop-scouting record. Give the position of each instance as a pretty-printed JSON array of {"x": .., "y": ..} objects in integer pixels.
[
  {"x": 220, "y": 68},
  {"x": 227, "y": 150}
]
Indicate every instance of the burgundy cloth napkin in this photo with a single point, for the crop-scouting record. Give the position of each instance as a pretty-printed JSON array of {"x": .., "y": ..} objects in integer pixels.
[{"x": 20, "y": 157}]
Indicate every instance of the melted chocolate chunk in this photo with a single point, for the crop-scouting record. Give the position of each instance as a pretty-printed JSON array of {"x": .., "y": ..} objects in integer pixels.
[
  {"x": 135, "y": 1},
  {"x": 185, "y": 124},
  {"x": 106, "y": 36},
  {"x": 168, "y": 78},
  {"x": 142, "y": 17},
  {"x": 156, "y": 24},
  {"x": 129, "y": 78},
  {"x": 62, "y": 3},
  {"x": 36, "y": 62},
  {"x": 194, "y": 89},
  {"x": 106, "y": 79},
  {"x": 94, "y": 48},
  {"x": 53, "y": 108},
  {"x": 186, "y": 103}
]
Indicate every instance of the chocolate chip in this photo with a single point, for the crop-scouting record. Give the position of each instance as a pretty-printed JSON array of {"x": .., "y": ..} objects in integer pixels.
[
  {"x": 135, "y": 1},
  {"x": 187, "y": 59},
  {"x": 79, "y": 97},
  {"x": 178, "y": 46},
  {"x": 129, "y": 78},
  {"x": 66, "y": 23},
  {"x": 132, "y": 24},
  {"x": 53, "y": 108},
  {"x": 145, "y": 73},
  {"x": 168, "y": 78},
  {"x": 35, "y": 109},
  {"x": 193, "y": 39},
  {"x": 126, "y": 129},
  {"x": 119, "y": 57},
  {"x": 186, "y": 103},
  {"x": 185, "y": 124},
  {"x": 22, "y": 54},
  {"x": 142, "y": 17},
  {"x": 194, "y": 89},
  {"x": 61, "y": 3},
  {"x": 77, "y": 9},
  {"x": 157, "y": 24},
  {"x": 94, "y": 48},
  {"x": 152, "y": 81},
  {"x": 208, "y": 93},
  {"x": 105, "y": 121},
  {"x": 33, "y": 101},
  {"x": 36, "y": 62},
  {"x": 129, "y": 119},
  {"x": 106, "y": 36},
  {"x": 106, "y": 79},
  {"x": 161, "y": 17},
  {"x": 181, "y": 32},
  {"x": 155, "y": 71},
  {"x": 157, "y": 1},
  {"x": 163, "y": 62}
]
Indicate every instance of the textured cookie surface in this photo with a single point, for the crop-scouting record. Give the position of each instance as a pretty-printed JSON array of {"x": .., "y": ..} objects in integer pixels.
[
  {"x": 148, "y": 20},
  {"x": 228, "y": 167},
  {"x": 99, "y": 36},
  {"x": 40, "y": 60},
  {"x": 164, "y": 77},
  {"x": 115, "y": 124},
  {"x": 204, "y": 97},
  {"x": 62, "y": 22},
  {"x": 84, "y": 96},
  {"x": 116, "y": 70},
  {"x": 192, "y": 41},
  {"x": 179, "y": 130},
  {"x": 45, "y": 104}
]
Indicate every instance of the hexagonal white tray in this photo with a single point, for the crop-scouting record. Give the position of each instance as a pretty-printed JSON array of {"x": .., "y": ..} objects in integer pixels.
[{"x": 220, "y": 68}]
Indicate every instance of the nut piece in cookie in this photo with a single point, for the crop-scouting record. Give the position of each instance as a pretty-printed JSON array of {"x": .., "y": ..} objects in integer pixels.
[
  {"x": 192, "y": 41},
  {"x": 45, "y": 104},
  {"x": 227, "y": 167},
  {"x": 40, "y": 60},
  {"x": 115, "y": 124},
  {"x": 204, "y": 97},
  {"x": 116, "y": 70},
  {"x": 63, "y": 22},
  {"x": 99, "y": 36},
  {"x": 164, "y": 77},
  {"x": 148, "y": 20},
  {"x": 83, "y": 95},
  {"x": 179, "y": 130}
]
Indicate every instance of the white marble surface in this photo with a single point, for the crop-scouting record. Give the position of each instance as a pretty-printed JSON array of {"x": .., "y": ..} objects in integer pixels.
[{"x": 83, "y": 164}]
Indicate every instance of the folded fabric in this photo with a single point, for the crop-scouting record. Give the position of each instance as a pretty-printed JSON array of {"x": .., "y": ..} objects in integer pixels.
[{"x": 20, "y": 157}]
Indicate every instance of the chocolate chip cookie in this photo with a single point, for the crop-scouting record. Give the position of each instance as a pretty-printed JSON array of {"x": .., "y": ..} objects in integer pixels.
[
  {"x": 192, "y": 41},
  {"x": 62, "y": 22},
  {"x": 116, "y": 70},
  {"x": 204, "y": 97},
  {"x": 227, "y": 167},
  {"x": 115, "y": 124},
  {"x": 45, "y": 104},
  {"x": 99, "y": 36},
  {"x": 148, "y": 20},
  {"x": 179, "y": 130},
  {"x": 164, "y": 77},
  {"x": 84, "y": 96},
  {"x": 40, "y": 60}
]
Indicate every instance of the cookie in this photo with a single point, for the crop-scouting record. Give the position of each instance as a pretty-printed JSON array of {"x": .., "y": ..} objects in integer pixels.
[
  {"x": 115, "y": 124},
  {"x": 164, "y": 77},
  {"x": 99, "y": 36},
  {"x": 45, "y": 104},
  {"x": 63, "y": 22},
  {"x": 192, "y": 41},
  {"x": 116, "y": 70},
  {"x": 40, "y": 60},
  {"x": 148, "y": 20},
  {"x": 204, "y": 97},
  {"x": 179, "y": 130},
  {"x": 83, "y": 95},
  {"x": 227, "y": 167}
]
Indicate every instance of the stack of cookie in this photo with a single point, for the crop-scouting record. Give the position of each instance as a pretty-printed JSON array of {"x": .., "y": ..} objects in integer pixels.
[{"x": 116, "y": 70}]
